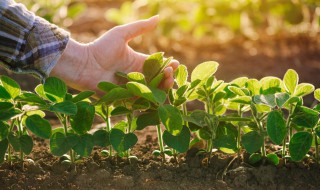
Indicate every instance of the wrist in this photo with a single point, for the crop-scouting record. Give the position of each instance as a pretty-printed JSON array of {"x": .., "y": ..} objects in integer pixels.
[{"x": 71, "y": 63}]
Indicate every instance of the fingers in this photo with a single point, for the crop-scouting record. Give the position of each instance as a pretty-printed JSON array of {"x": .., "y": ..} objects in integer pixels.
[
  {"x": 174, "y": 64},
  {"x": 168, "y": 80},
  {"x": 139, "y": 27}
]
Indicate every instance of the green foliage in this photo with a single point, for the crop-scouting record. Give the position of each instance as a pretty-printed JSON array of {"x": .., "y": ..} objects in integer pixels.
[
  {"x": 238, "y": 114},
  {"x": 300, "y": 145},
  {"x": 252, "y": 141},
  {"x": 171, "y": 118},
  {"x": 39, "y": 126},
  {"x": 60, "y": 12},
  {"x": 179, "y": 142},
  {"x": 60, "y": 143},
  {"x": 276, "y": 127},
  {"x": 219, "y": 19},
  {"x": 121, "y": 141},
  {"x": 82, "y": 121}
]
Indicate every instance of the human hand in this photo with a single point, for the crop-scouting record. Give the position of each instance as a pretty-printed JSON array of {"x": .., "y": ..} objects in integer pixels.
[{"x": 83, "y": 66}]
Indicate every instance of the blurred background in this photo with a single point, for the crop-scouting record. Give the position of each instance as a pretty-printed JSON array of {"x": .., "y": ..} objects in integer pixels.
[{"x": 252, "y": 38}]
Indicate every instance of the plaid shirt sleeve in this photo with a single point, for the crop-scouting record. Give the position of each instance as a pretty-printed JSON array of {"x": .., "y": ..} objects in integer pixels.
[{"x": 28, "y": 44}]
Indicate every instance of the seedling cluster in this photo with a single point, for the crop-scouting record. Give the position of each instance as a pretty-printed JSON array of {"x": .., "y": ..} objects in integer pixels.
[{"x": 242, "y": 114}]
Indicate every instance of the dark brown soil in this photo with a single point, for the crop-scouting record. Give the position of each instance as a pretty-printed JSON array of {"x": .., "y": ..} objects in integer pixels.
[
  {"x": 44, "y": 171},
  {"x": 270, "y": 55}
]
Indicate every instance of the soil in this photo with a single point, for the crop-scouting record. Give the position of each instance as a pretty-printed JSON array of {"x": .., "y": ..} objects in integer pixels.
[
  {"x": 268, "y": 55},
  {"x": 43, "y": 171}
]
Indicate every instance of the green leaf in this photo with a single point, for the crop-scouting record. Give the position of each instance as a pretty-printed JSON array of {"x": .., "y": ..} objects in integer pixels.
[
  {"x": 58, "y": 129},
  {"x": 317, "y": 130},
  {"x": 239, "y": 82},
  {"x": 253, "y": 86},
  {"x": 39, "y": 126},
  {"x": 82, "y": 95},
  {"x": 141, "y": 104},
  {"x": 36, "y": 112},
  {"x": 3, "y": 149},
  {"x": 181, "y": 75},
  {"x": 114, "y": 95},
  {"x": 121, "y": 141},
  {"x": 136, "y": 77},
  {"x": 276, "y": 127},
  {"x": 82, "y": 121},
  {"x": 171, "y": 118},
  {"x": 11, "y": 86},
  {"x": 61, "y": 144},
  {"x": 270, "y": 85},
  {"x": 299, "y": 145},
  {"x": 241, "y": 100},
  {"x": 40, "y": 91},
  {"x": 179, "y": 101},
  {"x": 140, "y": 90},
  {"x": 55, "y": 89},
  {"x": 107, "y": 86},
  {"x": 121, "y": 125},
  {"x": 268, "y": 99},
  {"x": 26, "y": 143},
  {"x": 121, "y": 110},
  {"x": 236, "y": 90},
  {"x": 160, "y": 96},
  {"x": 317, "y": 94},
  {"x": 65, "y": 107},
  {"x": 4, "y": 130},
  {"x": 4, "y": 94},
  {"x": 180, "y": 142},
  {"x": 204, "y": 70},
  {"x": 197, "y": 117},
  {"x": 147, "y": 119},
  {"x": 180, "y": 92},
  {"x": 85, "y": 145},
  {"x": 30, "y": 98},
  {"x": 226, "y": 137},
  {"x": 281, "y": 99},
  {"x": 255, "y": 158},
  {"x": 9, "y": 113},
  {"x": 156, "y": 80},
  {"x": 273, "y": 158},
  {"x": 101, "y": 138},
  {"x": 152, "y": 66},
  {"x": 290, "y": 81},
  {"x": 252, "y": 141},
  {"x": 14, "y": 141},
  {"x": 305, "y": 117},
  {"x": 304, "y": 89}
]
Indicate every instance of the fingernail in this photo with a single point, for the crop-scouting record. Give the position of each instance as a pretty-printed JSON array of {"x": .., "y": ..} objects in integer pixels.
[{"x": 155, "y": 17}]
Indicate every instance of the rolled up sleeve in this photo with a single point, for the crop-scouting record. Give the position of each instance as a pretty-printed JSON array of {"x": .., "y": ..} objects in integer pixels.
[{"x": 28, "y": 43}]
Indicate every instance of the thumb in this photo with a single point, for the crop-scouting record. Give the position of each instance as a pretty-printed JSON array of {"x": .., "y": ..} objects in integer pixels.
[{"x": 139, "y": 27}]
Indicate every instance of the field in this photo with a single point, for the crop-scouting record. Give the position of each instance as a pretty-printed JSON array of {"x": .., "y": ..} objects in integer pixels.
[{"x": 240, "y": 56}]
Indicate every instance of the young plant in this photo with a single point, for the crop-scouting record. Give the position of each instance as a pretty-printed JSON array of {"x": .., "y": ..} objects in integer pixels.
[
  {"x": 75, "y": 114},
  {"x": 19, "y": 114}
]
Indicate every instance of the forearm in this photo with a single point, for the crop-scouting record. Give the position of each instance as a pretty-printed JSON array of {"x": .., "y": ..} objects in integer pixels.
[
  {"x": 28, "y": 44},
  {"x": 71, "y": 63}
]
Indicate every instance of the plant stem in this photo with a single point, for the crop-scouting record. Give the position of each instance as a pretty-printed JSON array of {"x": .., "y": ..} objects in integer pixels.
[
  {"x": 239, "y": 133},
  {"x": 105, "y": 110},
  {"x": 9, "y": 148},
  {"x": 129, "y": 118},
  {"x": 316, "y": 147},
  {"x": 185, "y": 112},
  {"x": 160, "y": 142},
  {"x": 72, "y": 156},
  {"x": 20, "y": 129},
  {"x": 258, "y": 122},
  {"x": 284, "y": 146}
]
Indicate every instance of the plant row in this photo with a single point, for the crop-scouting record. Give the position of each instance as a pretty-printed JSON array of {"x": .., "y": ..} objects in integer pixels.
[{"x": 239, "y": 115}]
